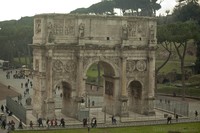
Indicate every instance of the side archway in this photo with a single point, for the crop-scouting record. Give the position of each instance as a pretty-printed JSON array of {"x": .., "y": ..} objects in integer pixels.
[{"x": 135, "y": 96}]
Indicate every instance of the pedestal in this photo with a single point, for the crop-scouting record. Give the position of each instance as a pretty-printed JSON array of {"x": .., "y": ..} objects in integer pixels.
[
  {"x": 149, "y": 110},
  {"x": 124, "y": 106},
  {"x": 50, "y": 108}
]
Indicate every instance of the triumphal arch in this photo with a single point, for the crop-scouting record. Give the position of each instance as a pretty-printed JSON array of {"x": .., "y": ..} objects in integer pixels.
[{"x": 65, "y": 46}]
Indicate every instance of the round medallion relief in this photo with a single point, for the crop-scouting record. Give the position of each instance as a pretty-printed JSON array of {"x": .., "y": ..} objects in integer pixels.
[
  {"x": 141, "y": 65},
  {"x": 131, "y": 66},
  {"x": 57, "y": 66}
]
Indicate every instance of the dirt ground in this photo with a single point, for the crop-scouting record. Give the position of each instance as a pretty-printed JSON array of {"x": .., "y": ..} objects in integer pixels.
[{"x": 4, "y": 92}]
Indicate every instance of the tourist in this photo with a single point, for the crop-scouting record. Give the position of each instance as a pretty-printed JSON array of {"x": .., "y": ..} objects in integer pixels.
[
  {"x": 24, "y": 93},
  {"x": 52, "y": 121},
  {"x": 176, "y": 117},
  {"x": 169, "y": 120},
  {"x": 88, "y": 129},
  {"x": 12, "y": 123},
  {"x": 55, "y": 122},
  {"x": 62, "y": 122},
  {"x": 31, "y": 124},
  {"x": 2, "y": 108},
  {"x": 9, "y": 127},
  {"x": 84, "y": 122},
  {"x": 7, "y": 110},
  {"x": 114, "y": 121},
  {"x": 196, "y": 115},
  {"x": 21, "y": 85},
  {"x": 93, "y": 122},
  {"x": 47, "y": 122},
  {"x": 26, "y": 85},
  {"x": 3, "y": 124},
  {"x": 20, "y": 124},
  {"x": 40, "y": 122},
  {"x": 31, "y": 84}
]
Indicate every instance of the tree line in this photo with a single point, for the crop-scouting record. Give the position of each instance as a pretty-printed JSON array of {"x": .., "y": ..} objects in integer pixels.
[
  {"x": 127, "y": 7},
  {"x": 15, "y": 35}
]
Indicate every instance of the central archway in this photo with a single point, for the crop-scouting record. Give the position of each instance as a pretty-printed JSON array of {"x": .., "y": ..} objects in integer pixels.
[{"x": 107, "y": 86}]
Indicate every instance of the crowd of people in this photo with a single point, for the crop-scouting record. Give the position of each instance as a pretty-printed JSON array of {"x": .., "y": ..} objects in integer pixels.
[
  {"x": 18, "y": 74},
  {"x": 49, "y": 123}
]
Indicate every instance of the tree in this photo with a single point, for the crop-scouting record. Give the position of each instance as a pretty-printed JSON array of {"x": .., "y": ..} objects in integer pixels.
[
  {"x": 132, "y": 7},
  {"x": 189, "y": 10},
  {"x": 103, "y": 7},
  {"x": 163, "y": 40},
  {"x": 180, "y": 34},
  {"x": 15, "y": 37},
  {"x": 80, "y": 11}
]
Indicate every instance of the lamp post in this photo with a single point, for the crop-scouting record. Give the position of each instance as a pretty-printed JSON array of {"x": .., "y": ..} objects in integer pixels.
[{"x": 89, "y": 109}]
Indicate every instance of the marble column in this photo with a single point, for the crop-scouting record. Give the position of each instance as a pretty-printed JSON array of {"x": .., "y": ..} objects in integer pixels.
[
  {"x": 151, "y": 83},
  {"x": 50, "y": 103},
  {"x": 123, "y": 98}
]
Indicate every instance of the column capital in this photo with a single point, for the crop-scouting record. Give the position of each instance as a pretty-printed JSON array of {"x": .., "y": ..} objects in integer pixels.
[{"x": 123, "y": 98}]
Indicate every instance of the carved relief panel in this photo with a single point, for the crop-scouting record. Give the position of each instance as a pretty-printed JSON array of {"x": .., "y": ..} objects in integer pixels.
[
  {"x": 136, "y": 28},
  {"x": 69, "y": 68},
  {"x": 64, "y": 27},
  {"x": 38, "y": 27},
  {"x": 141, "y": 65},
  {"x": 58, "y": 26},
  {"x": 131, "y": 65},
  {"x": 57, "y": 66},
  {"x": 70, "y": 27},
  {"x": 132, "y": 28}
]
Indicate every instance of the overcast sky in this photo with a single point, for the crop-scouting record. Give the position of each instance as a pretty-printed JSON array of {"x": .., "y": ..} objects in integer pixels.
[{"x": 15, "y": 9}]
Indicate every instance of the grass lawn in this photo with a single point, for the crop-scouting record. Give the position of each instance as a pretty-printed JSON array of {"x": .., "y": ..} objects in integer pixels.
[{"x": 172, "y": 128}]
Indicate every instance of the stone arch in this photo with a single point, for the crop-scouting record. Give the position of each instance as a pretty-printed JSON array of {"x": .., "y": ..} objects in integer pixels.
[
  {"x": 106, "y": 61},
  {"x": 135, "y": 89},
  {"x": 67, "y": 91},
  {"x": 111, "y": 86},
  {"x": 64, "y": 90}
]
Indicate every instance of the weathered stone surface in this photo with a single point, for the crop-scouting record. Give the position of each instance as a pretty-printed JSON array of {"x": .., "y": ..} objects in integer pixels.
[{"x": 65, "y": 46}]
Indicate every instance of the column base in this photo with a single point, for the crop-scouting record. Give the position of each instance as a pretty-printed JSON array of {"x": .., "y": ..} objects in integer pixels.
[
  {"x": 124, "y": 107},
  {"x": 50, "y": 108}
]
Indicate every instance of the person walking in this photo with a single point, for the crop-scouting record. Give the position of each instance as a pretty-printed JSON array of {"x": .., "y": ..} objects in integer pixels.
[
  {"x": 20, "y": 125},
  {"x": 176, "y": 117},
  {"x": 3, "y": 124},
  {"x": 47, "y": 123},
  {"x": 196, "y": 115},
  {"x": 40, "y": 122},
  {"x": 31, "y": 124},
  {"x": 21, "y": 85},
  {"x": 2, "y": 108}
]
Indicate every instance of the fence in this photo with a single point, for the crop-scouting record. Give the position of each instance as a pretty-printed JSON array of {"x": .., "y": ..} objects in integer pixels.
[
  {"x": 17, "y": 109},
  {"x": 170, "y": 105}
]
